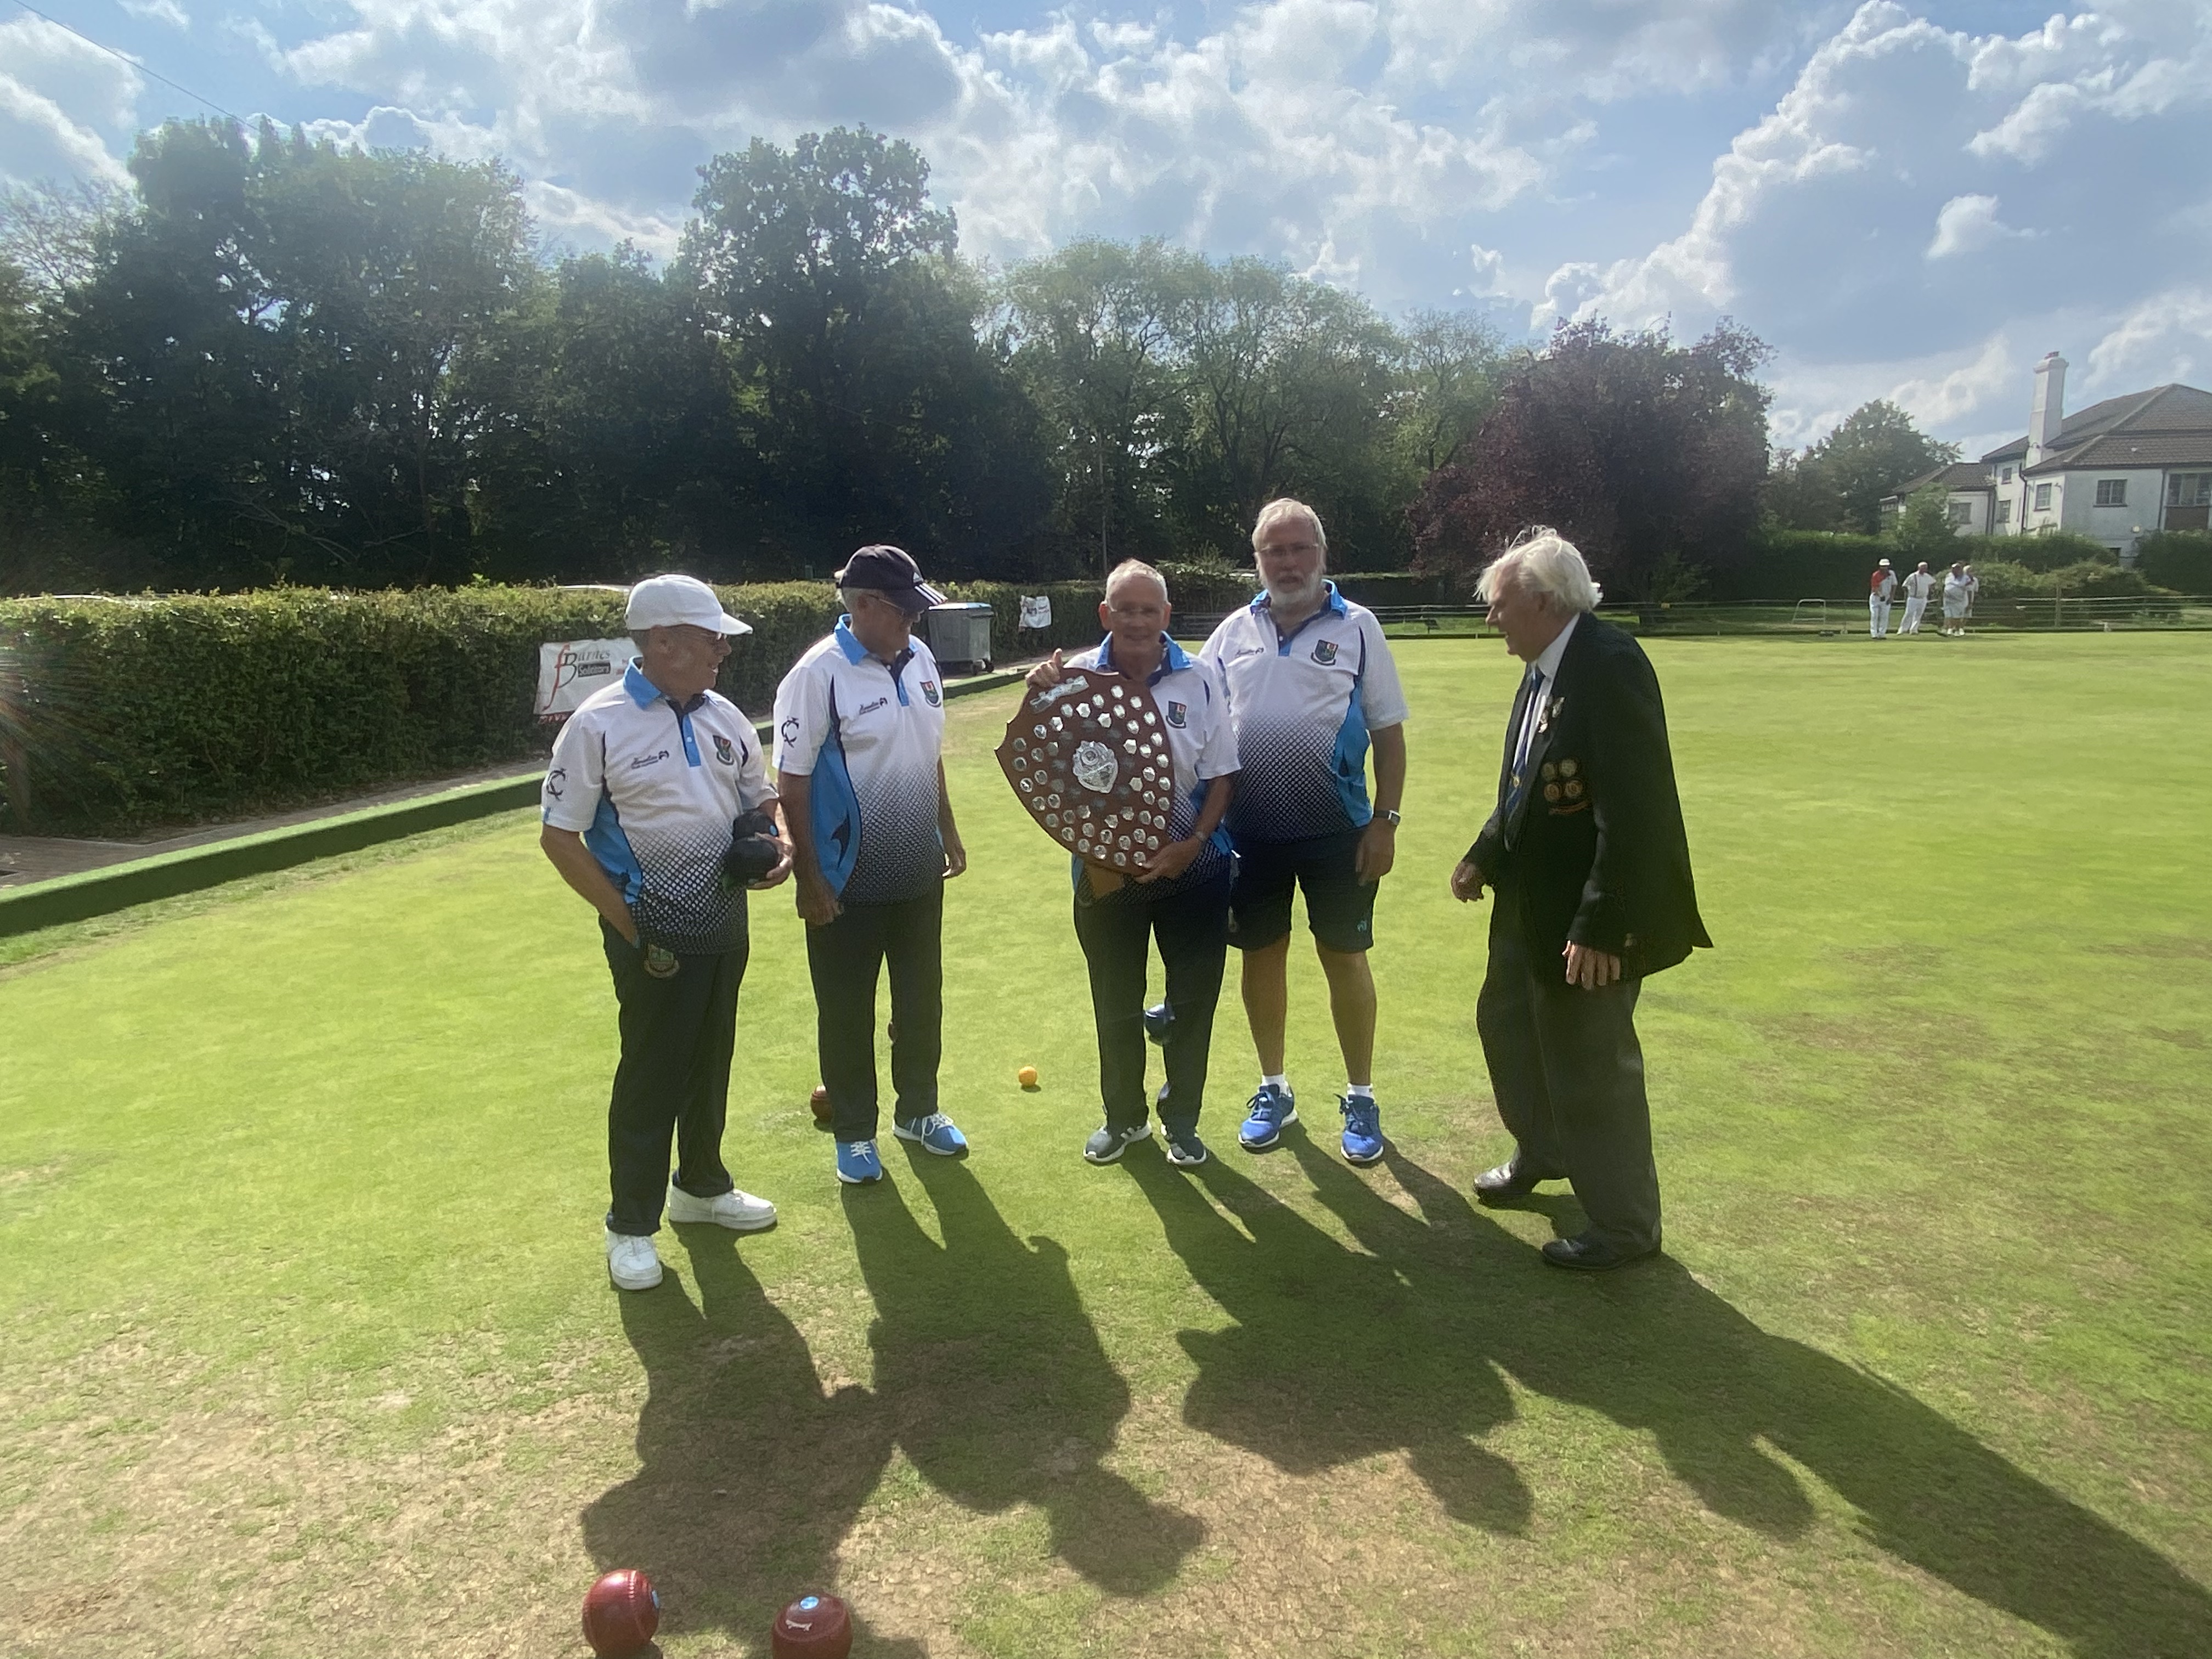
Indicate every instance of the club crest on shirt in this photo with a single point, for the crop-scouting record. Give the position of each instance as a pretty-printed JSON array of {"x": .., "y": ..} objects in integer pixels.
[
  {"x": 1178, "y": 714},
  {"x": 1324, "y": 652},
  {"x": 789, "y": 730},
  {"x": 931, "y": 694},
  {"x": 723, "y": 751}
]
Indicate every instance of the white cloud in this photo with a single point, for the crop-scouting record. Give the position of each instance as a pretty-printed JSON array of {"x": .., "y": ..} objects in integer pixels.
[
  {"x": 1815, "y": 229},
  {"x": 1941, "y": 401},
  {"x": 1967, "y": 224},
  {"x": 1489, "y": 268},
  {"x": 60, "y": 98},
  {"x": 161, "y": 11},
  {"x": 2168, "y": 336}
]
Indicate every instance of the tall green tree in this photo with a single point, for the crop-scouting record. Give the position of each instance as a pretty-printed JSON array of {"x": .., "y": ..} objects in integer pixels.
[
  {"x": 170, "y": 379},
  {"x": 396, "y": 270},
  {"x": 1449, "y": 367},
  {"x": 30, "y": 388},
  {"x": 612, "y": 447},
  {"x": 1287, "y": 386},
  {"x": 1093, "y": 326},
  {"x": 1839, "y": 484},
  {"x": 875, "y": 411}
]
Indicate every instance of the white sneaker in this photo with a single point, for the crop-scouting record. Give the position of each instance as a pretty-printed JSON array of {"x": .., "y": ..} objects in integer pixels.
[
  {"x": 740, "y": 1212},
  {"x": 632, "y": 1262}
]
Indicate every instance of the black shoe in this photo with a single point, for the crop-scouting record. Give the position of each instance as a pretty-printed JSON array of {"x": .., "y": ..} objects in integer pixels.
[
  {"x": 1591, "y": 1254},
  {"x": 1185, "y": 1150},
  {"x": 1109, "y": 1143},
  {"x": 1508, "y": 1182}
]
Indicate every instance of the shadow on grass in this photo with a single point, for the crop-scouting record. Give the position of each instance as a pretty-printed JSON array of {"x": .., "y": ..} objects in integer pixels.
[
  {"x": 1339, "y": 1352},
  {"x": 751, "y": 1474},
  {"x": 988, "y": 1375},
  {"x": 998, "y": 1388}
]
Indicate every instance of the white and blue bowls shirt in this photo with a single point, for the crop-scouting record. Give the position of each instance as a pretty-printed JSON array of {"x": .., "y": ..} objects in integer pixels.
[
  {"x": 654, "y": 789},
  {"x": 868, "y": 734},
  {"x": 1302, "y": 705}
]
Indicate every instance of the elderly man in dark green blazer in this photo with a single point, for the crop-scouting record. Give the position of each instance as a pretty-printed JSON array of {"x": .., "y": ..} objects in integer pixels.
[{"x": 1590, "y": 864}]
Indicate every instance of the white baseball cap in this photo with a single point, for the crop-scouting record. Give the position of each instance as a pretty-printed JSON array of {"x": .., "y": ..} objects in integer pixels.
[{"x": 678, "y": 602}]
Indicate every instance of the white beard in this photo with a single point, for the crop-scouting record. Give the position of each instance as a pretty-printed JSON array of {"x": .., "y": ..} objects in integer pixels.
[{"x": 1304, "y": 593}]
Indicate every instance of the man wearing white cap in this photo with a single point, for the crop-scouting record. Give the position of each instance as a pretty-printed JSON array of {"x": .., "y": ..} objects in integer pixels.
[
  {"x": 657, "y": 812},
  {"x": 1882, "y": 589}
]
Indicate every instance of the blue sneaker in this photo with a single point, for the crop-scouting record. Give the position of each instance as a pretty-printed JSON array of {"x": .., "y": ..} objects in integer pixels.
[
  {"x": 1266, "y": 1116},
  {"x": 935, "y": 1133},
  {"x": 857, "y": 1163},
  {"x": 1363, "y": 1128},
  {"x": 1157, "y": 1019}
]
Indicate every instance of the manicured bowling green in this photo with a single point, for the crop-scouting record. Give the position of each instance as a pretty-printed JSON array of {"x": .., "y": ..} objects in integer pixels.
[{"x": 309, "y": 1348}]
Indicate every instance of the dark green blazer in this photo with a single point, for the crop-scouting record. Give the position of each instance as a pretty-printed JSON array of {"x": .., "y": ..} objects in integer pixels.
[{"x": 1590, "y": 837}]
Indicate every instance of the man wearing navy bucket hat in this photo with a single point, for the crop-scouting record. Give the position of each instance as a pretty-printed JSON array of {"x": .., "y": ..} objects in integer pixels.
[
  {"x": 859, "y": 728},
  {"x": 657, "y": 810}
]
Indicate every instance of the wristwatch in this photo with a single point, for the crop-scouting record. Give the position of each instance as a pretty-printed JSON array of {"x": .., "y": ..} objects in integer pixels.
[{"x": 1389, "y": 817}]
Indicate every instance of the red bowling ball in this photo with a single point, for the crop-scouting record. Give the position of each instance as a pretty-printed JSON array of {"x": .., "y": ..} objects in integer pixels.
[
  {"x": 621, "y": 1613},
  {"x": 812, "y": 1627}
]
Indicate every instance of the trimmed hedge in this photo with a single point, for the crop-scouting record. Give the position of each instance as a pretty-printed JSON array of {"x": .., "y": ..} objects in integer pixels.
[
  {"x": 1785, "y": 566},
  {"x": 124, "y": 714},
  {"x": 2178, "y": 559}
]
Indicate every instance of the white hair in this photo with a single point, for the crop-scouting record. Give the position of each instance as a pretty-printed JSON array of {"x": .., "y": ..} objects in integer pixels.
[
  {"x": 1130, "y": 570},
  {"x": 1282, "y": 507},
  {"x": 1542, "y": 561}
]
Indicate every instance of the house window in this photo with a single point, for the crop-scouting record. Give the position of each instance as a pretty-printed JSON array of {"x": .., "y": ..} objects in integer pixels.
[
  {"x": 2004, "y": 512},
  {"x": 2004, "y": 475},
  {"x": 2111, "y": 492},
  {"x": 2188, "y": 489},
  {"x": 2043, "y": 498},
  {"x": 1962, "y": 513}
]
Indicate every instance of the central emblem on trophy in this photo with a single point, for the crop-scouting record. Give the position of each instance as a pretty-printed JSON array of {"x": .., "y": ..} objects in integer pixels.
[
  {"x": 1095, "y": 768},
  {"x": 1089, "y": 760}
]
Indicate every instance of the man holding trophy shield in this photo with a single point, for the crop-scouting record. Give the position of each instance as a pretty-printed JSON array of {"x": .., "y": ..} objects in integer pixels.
[{"x": 1088, "y": 749}]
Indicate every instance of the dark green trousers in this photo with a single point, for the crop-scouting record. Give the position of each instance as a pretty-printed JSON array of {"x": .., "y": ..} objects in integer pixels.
[{"x": 1568, "y": 1075}]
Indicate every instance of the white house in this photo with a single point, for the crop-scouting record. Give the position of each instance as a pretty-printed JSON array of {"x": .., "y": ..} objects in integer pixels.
[{"x": 2114, "y": 472}]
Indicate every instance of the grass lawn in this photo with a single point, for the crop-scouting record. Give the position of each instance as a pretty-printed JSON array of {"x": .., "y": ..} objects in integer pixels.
[{"x": 309, "y": 1348}]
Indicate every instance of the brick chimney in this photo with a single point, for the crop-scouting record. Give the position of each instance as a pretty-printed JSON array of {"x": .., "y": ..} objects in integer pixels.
[{"x": 2048, "y": 413}]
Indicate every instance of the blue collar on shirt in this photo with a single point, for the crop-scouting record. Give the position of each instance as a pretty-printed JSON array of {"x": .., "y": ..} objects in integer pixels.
[
  {"x": 1173, "y": 662},
  {"x": 1259, "y": 601},
  {"x": 856, "y": 654},
  {"x": 644, "y": 693}
]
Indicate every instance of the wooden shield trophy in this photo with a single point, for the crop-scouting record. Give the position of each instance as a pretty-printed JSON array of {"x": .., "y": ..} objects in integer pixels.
[{"x": 1089, "y": 758}]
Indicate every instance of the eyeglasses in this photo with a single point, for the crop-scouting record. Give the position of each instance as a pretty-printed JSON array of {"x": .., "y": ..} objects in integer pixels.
[{"x": 1289, "y": 547}]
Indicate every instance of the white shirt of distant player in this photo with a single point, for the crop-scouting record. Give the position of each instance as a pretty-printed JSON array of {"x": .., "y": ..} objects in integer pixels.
[
  {"x": 1201, "y": 741},
  {"x": 1304, "y": 704},
  {"x": 1882, "y": 584},
  {"x": 1957, "y": 591},
  {"x": 867, "y": 735},
  {"x": 1919, "y": 585},
  {"x": 654, "y": 789}
]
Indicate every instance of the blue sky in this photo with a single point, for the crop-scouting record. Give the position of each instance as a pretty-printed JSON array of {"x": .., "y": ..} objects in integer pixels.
[{"x": 1914, "y": 201}]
